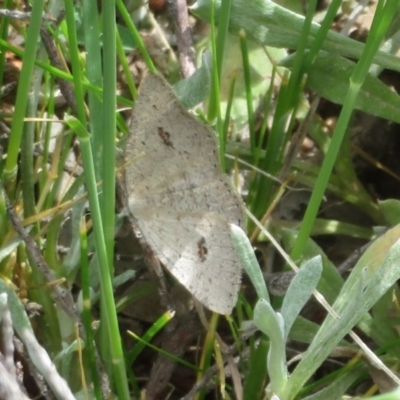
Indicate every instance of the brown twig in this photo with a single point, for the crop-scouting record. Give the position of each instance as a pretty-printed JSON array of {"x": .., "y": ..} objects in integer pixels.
[
  {"x": 60, "y": 295},
  {"x": 28, "y": 366},
  {"x": 179, "y": 13},
  {"x": 65, "y": 87},
  {"x": 174, "y": 342},
  {"x": 22, "y": 16}
]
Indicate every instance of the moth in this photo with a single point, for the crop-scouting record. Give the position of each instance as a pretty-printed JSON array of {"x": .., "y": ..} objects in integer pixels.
[{"x": 181, "y": 201}]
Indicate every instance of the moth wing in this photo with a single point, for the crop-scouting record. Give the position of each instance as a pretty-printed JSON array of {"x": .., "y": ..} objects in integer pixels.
[
  {"x": 197, "y": 249},
  {"x": 165, "y": 142}
]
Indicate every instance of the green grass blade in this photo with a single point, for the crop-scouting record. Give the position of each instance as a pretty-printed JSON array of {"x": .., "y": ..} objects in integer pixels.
[
  {"x": 111, "y": 321},
  {"x": 24, "y": 85}
]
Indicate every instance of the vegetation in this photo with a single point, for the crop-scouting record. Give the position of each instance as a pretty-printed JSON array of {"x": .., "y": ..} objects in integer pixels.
[{"x": 63, "y": 297}]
